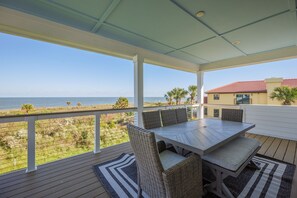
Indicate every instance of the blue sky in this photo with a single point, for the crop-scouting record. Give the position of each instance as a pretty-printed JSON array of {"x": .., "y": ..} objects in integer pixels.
[{"x": 32, "y": 68}]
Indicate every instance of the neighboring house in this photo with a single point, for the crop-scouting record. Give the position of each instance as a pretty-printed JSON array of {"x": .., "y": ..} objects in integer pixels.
[{"x": 245, "y": 92}]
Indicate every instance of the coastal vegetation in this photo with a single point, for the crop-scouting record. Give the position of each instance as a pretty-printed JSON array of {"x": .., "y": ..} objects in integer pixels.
[
  {"x": 60, "y": 138},
  {"x": 27, "y": 107},
  {"x": 121, "y": 103},
  {"x": 285, "y": 94},
  {"x": 65, "y": 137},
  {"x": 192, "y": 90},
  {"x": 176, "y": 95}
]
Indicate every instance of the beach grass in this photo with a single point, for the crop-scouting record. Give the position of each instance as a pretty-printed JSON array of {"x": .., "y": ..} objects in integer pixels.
[{"x": 59, "y": 138}]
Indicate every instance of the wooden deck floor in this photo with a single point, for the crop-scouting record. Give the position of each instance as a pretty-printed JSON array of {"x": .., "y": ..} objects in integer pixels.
[
  {"x": 74, "y": 177},
  {"x": 71, "y": 177},
  {"x": 285, "y": 150}
]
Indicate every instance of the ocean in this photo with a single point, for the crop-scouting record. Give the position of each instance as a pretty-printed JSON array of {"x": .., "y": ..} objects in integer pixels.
[{"x": 16, "y": 102}]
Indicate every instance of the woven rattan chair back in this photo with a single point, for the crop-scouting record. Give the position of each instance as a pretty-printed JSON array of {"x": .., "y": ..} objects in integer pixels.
[
  {"x": 148, "y": 161},
  {"x": 168, "y": 117},
  {"x": 181, "y": 115},
  {"x": 235, "y": 115},
  {"x": 151, "y": 119}
]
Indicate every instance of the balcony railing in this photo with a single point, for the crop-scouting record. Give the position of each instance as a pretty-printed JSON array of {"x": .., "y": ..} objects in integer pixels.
[
  {"x": 270, "y": 120},
  {"x": 34, "y": 139}
]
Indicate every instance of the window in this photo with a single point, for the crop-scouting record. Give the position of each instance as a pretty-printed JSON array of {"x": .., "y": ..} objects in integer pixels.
[
  {"x": 216, "y": 97},
  {"x": 216, "y": 113},
  {"x": 205, "y": 111},
  {"x": 242, "y": 99}
]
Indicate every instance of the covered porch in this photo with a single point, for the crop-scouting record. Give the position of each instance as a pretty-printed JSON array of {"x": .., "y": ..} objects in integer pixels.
[{"x": 190, "y": 37}]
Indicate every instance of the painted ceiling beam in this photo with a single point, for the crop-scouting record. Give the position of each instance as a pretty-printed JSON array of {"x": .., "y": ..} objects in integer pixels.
[
  {"x": 22, "y": 24},
  {"x": 105, "y": 15},
  {"x": 293, "y": 10},
  {"x": 208, "y": 27},
  {"x": 57, "y": 6},
  {"x": 263, "y": 57}
]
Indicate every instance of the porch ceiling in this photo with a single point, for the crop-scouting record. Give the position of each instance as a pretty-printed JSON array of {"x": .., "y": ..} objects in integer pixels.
[{"x": 229, "y": 29}]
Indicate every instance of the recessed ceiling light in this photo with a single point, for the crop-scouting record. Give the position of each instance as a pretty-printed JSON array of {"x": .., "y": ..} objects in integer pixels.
[
  {"x": 200, "y": 14},
  {"x": 236, "y": 42}
]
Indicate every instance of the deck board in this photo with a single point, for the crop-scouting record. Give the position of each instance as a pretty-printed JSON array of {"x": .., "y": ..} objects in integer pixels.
[
  {"x": 257, "y": 137},
  {"x": 265, "y": 146},
  {"x": 290, "y": 153},
  {"x": 281, "y": 151},
  {"x": 74, "y": 177},
  {"x": 61, "y": 178},
  {"x": 252, "y": 135},
  {"x": 295, "y": 161},
  {"x": 273, "y": 147},
  {"x": 40, "y": 181},
  {"x": 263, "y": 139},
  {"x": 93, "y": 193},
  {"x": 104, "y": 195},
  {"x": 247, "y": 134}
]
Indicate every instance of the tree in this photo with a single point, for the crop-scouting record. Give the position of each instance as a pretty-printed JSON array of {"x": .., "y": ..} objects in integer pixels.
[
  {"x": 27, "y": 107},
  {"x": 179, "y": 94},
  {"x": 169, "y": 97},
  {"x": 68, "y": 103},
  {"x": 78, "y": 104},
  {"x": 285, "y": 94},
  {"x": 158, "y": 104},
  {"x": 192, "y": 89},
  {"x": 121, "y": 103}
]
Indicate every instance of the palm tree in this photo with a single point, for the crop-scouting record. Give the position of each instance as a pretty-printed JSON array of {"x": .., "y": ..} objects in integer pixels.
[
  {"x": 169, "y": 97},
  {"x": 68, "y": 103},
  {"x": 78, "y": 104},
  {"x": 27, "y": 107},
  {"x": 179, "y": 94},
  {"x": 285, "y": 94},
  {"x": 192, "y": 89}
]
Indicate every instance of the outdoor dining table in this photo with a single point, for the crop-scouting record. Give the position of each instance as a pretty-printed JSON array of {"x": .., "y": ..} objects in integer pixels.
[{"x": 202, "y": 136}]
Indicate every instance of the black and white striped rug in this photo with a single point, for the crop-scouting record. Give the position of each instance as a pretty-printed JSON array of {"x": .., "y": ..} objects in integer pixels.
[{"x": 119, "y": 178}]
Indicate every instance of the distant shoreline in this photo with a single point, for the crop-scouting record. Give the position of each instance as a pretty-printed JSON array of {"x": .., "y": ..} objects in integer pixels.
[
  {"x": 13, "y": 103},
  {"x": 36, "y": 110}
]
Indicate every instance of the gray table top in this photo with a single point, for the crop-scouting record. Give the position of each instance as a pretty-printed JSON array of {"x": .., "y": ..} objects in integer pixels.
[{"x": 202, "y": 136}]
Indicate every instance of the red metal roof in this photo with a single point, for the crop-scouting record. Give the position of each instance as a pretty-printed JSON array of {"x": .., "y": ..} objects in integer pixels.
[{"x": 258, "y": 86}]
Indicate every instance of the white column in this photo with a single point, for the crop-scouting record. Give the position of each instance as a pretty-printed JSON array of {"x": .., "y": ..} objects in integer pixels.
[
  {"x": 138, "y": 89},
  {"x": 200, "y": 95},
  {"x": 97, "y": 134},
  {"x": 31, "y": 145}
]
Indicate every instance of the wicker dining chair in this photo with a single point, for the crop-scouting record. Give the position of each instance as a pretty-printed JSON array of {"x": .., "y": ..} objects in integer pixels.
[
  {"x": 181, "y": 115},
  {"x": 151, "y": 119},
  {"x": 235, "y": 115},
  {"x": 164, "y": 174},
  {"x": 168, "y": 117}
]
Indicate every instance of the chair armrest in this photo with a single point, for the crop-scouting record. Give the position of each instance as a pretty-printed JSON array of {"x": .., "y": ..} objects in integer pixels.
[
  {"x": 185, "y": 178},
  {"x": 161, "y": 146}
]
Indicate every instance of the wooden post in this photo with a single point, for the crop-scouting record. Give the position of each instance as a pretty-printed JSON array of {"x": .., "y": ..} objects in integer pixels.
[
  {"x": 31, "y": 145},
  {"x": 138, "y": 89}
]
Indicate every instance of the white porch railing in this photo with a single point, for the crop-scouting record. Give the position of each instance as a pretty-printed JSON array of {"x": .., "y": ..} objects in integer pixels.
[
  {"x": 32, "y": 120},
  {"x": 31, "y": 123},
  {"x": 270, "y": 120},
  {"x": 276, "y": 121}
]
